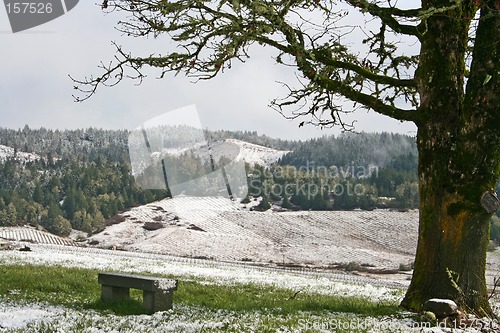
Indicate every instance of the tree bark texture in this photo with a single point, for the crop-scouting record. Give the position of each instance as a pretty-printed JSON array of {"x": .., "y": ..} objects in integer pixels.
[{"x": 459, "y": 158}]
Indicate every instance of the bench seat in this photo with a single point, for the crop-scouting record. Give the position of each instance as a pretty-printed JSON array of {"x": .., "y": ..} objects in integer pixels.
[{"x": 157, "y": 292}]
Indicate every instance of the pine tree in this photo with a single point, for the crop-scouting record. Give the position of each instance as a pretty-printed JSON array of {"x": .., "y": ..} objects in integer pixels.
[
  {"x": 286, "y": 202},
  {"x": 319, "y": 202},
  {"x": 263, "y": 204},
  {"x": 59, "y": 226},
  {"x": 10, "y": 216}
]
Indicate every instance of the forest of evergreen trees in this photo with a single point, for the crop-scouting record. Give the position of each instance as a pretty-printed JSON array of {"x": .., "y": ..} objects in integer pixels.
[
  {"x": 84, "y": 177},
  {"x": 364, "y": 170}
]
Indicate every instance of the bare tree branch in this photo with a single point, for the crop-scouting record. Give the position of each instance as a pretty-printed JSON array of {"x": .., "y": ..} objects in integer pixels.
[
  {"x": 386, "y": 14},
  {"x": 210, "y": 35}
]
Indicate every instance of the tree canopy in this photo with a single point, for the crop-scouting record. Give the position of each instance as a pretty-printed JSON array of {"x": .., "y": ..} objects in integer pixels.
[{"x": 313, "y": 36}]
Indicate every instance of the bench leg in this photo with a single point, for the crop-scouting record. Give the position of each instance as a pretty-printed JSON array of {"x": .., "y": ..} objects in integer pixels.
[
  {"x": 157, "y": 301},
  {"x": 111, "y": 293}
]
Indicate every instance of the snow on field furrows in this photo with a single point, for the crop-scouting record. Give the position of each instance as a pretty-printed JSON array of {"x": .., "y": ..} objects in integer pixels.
[
  {"x": 220, "y": 229},
  {"x": 32, "y": 235}
]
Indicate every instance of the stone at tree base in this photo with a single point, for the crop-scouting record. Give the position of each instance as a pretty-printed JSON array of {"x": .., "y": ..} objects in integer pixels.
[
  {"x": 441, "y": 307},
  {"x": 429, "y": 316}
]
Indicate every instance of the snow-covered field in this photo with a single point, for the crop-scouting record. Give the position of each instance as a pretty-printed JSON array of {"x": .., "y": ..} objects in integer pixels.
[
  {"x": 248, "y": 247},
  {"x": 219, "y": 229},
  {"x": 19, "y": 314},
  {"x": 206, "y": 271},
  {"x": 32, "y": 235},
  {"x": 29, "y": 317},
  {"x": 194, "y": 320}
]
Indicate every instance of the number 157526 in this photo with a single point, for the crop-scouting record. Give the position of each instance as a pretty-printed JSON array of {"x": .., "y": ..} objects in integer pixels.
[{"x": 29, "y": 8}]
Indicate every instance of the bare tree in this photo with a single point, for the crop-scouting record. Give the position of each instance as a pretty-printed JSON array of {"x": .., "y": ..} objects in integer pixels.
[{"x": 449, "y": 88}]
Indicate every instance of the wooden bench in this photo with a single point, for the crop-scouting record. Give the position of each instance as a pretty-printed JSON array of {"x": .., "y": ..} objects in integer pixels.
[{"x": 157, "y": 292}]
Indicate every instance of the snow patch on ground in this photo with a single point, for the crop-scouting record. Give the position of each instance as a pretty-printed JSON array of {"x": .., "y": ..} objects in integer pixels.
[
  {"x": 19, "y": 314},
  {"x": 193, "y": 319}
]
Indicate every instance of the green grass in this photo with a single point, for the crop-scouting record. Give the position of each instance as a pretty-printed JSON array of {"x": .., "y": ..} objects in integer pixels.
[
  {"x": 55, "y": 285},
  {"x": 70, "y": 287},
  {"x": 78, "y": 289},
  {"x": 248, "y": 297}
]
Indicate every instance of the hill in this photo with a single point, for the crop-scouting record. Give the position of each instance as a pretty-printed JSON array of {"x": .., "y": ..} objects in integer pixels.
[
  {"x": 220, "y": 229},
  {"x": 79, "y": 178},
  {"x": 360, "y": 149}
]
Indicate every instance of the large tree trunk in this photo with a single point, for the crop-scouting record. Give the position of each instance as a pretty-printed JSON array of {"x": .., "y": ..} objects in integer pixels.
[
  {"x": 453, "y": 234},
  {"x": 459, "y": 160}
]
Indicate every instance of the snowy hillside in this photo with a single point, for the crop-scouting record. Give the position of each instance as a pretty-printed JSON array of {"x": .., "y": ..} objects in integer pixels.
[
  {"x": 255, "y": 154},
  {"x": 232, "y": 149},
  {"x": 219, "y": 229},
  {"x": 8, "y": 152}
]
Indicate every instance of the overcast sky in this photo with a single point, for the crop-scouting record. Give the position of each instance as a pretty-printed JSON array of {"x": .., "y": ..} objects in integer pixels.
[{"x": 35, "y": 88}]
